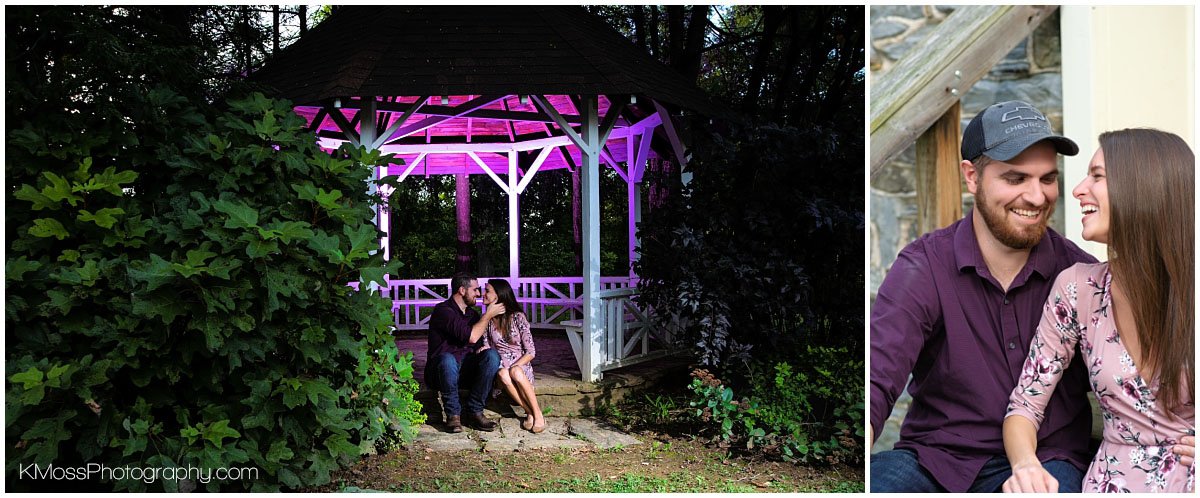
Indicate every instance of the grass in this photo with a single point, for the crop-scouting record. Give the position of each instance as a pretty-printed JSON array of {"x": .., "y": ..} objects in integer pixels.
[
  {"x": 676, "y": 482},
  {"x": 670, "y": 459}
]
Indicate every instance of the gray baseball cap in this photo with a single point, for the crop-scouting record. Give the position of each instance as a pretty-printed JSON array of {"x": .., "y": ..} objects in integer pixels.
[{"x": 1004, "y": 130}]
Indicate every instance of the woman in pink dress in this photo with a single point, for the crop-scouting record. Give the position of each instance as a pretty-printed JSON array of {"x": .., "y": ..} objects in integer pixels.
[
  {"x": 509, "y": 335},
  {"x": 1130, "y": 317}
]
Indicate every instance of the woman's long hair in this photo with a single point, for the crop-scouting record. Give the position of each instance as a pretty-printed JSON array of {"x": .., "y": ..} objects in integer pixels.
[
  {"x": 505, "y": 296},
  {"x": 1151, "y": 194}
]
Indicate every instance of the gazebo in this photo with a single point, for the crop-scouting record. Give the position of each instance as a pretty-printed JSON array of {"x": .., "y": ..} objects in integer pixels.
[{"x": 506, "y": 91}]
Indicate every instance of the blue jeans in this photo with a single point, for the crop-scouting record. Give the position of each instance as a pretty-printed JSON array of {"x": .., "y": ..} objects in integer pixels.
[
  {"x": 473, "y": 375},
  {"x": 897, "y": 471}
]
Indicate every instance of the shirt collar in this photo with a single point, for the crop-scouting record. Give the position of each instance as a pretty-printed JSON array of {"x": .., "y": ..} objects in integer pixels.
[{"x": 967, "y": 253}]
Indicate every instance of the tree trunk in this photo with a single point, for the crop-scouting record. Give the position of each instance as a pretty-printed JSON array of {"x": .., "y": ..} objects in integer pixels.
[
  {"x": 462, "y": 211},
  {"x": 772, "y": 19},
  {"x": 848, "y": 64},
  {"x": 693, "y": 49},
  {"x": 676, "y": 38},
  {"x": 577, "y": 220},
  {"x": 654, "y": 41},
  {"x": 639, "y": 26},
  {"x": 274, "y": 29},
  {"x": 302, "y": 14}
]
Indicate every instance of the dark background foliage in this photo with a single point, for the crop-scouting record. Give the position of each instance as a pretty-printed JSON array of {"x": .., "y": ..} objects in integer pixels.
[
  {"x": 757, "y": 262},
  {"x": 176, "y": 270}
]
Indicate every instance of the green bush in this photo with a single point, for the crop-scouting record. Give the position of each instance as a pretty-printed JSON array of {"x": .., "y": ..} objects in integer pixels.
[
  {"x": 176, "y": 274},
  {"x": 813, "y": 415}
]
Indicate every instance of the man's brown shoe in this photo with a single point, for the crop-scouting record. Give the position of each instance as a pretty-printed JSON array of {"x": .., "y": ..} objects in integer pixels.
[
  {"x": 480, "y": 423},
  {"x": 454, "y": 423}
]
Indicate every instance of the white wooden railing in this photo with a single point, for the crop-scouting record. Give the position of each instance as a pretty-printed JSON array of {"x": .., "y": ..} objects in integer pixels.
[
  {"x": 626, "y": 335},
  {"x": 547, "y": 301}
]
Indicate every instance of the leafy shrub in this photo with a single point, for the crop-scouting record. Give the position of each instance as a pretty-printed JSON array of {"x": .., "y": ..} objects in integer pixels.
[
  {"x": 785, "y": 416},
  {"x": 761, "y": 254},
  {"x": 175, "y": 274}
]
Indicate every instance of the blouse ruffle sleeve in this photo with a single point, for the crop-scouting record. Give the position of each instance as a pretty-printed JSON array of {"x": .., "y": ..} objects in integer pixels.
[{"x": 523, "y": 330}]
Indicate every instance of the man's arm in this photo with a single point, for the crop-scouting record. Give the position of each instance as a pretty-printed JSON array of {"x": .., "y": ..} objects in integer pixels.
[
  {"x": 458, "y": 328},
  {"x": 480, "y": 327},
  {"x": 905, "y": 312}
]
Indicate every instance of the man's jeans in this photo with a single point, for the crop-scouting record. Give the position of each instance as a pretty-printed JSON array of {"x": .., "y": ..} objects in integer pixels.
[
  {"x": 897, "y": 471},
  {"x": 474, "y": 376}
]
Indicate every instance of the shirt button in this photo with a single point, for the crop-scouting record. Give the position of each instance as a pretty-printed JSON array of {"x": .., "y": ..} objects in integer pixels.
[
  {"x": 1012, "y": 345},
  {"x": 1006, "y": 300}
]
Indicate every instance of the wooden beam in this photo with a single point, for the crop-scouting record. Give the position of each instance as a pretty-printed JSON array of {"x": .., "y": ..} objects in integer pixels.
[
  {"x": 672, "y": 135},
  {"x": 533, "y": 169},
  {"x": 315, "y": 125},
  {"x": 615, "y": 106},
  {"x": 643, "y": 153},
  {"x": 412, "y": 166},
  {"x": 545, "y": 104},
  {"x": 487, "y": 169},
  {"x": 607, "y": 157},
  {"x": 939, "y": 191},
  {"x": 460, "y": 110},
  {"x": 348, "y": 131},
  {"x": 934, "y": 75},
  {"x": 387, "y": 135}
]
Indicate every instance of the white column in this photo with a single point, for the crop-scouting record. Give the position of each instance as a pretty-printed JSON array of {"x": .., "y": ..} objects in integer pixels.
[
  {"x": 385, "y": 215},
  {"x": 590, "y": 179},
  {"x": 366, "y": 137},
  {"x": 635, "y": 217},
  {"x": 514, "y": 223}
]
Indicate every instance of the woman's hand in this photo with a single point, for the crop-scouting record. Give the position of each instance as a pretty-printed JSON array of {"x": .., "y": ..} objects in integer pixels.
[
  {"x": 1186, "y": 450},
  {"x": 1030, "y": 478}
]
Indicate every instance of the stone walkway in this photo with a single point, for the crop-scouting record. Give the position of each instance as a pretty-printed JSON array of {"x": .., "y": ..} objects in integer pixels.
[{"x": 561, "y": 432}]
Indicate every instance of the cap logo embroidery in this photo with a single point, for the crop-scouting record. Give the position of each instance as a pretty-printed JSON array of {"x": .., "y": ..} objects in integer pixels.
[{"x": 1017, "y": 114}]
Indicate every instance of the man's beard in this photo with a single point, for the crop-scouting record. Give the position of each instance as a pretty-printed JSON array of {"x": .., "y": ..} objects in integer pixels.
[{"x": 1023, "y": 237}]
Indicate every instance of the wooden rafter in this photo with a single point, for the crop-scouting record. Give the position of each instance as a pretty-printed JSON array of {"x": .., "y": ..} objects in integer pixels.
[
  {"x": 460, "y": 110},
  {"x": 672, "y": 135},
  {"x": 546, "y": 106},
  {"x": 533, "y": 169},
  {"x": 927, "y": 81},
  {"x": 348, "y": 131},
  {"x": 386, "y": 136},
  {"x": 488, "y": 169}
]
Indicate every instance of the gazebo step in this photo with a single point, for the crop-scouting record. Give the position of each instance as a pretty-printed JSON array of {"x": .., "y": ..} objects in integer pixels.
[{"x": 570, "y": 396}]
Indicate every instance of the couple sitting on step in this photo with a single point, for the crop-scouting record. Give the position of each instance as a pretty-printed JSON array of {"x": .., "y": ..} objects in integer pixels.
[{"x": 469, "y": 351}]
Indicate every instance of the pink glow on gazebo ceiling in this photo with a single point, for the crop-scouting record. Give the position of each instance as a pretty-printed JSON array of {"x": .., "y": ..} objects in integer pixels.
[{"x": 488, "y": 128}]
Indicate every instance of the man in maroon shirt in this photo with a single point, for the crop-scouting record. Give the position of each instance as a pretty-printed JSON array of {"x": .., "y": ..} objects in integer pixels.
[
  {"x": 958, "y": 310},
  {"x": 455, "y": 362}
]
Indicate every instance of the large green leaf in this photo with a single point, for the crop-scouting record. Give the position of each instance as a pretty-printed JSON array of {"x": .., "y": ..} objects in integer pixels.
[
  {"x": 15, "y": 269},
  {"x": 154, "y": 274},
  {"x": 48, "y": 227},
  {"x": 218, "y": 431},
  {"x": 328, "y": 246},
  {"x": 363, "y": 239},
  {"x": 40, "y": 201},
  {"x": 105, "y": 218},
  {"x": 239, "y": 214}
]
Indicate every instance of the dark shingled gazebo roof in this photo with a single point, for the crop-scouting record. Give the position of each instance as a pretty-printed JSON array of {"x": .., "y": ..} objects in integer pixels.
[{"x": 471, "y": 50}]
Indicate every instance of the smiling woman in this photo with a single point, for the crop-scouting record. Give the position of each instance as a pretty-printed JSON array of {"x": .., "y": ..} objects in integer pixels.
[{"x": 1133, "y": 324}]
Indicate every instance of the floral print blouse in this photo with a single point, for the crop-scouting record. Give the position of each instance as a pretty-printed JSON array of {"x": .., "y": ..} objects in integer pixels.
[{"x": 1135, "y": 455}]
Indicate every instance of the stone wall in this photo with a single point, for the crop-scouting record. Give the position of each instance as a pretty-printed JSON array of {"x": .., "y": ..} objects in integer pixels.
[{"x": 1030, "y": 72}]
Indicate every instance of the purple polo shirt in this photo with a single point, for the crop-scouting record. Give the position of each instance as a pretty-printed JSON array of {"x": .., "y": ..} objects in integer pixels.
[
  {"x": 941, "y": 317},
  {"x": 450, "y": 329}
]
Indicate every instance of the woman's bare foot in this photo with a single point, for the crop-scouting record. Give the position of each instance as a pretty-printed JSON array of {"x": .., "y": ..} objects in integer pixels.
[
  {"x": 538, "y": 427},
  {"x": 527, "y": 424}
]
